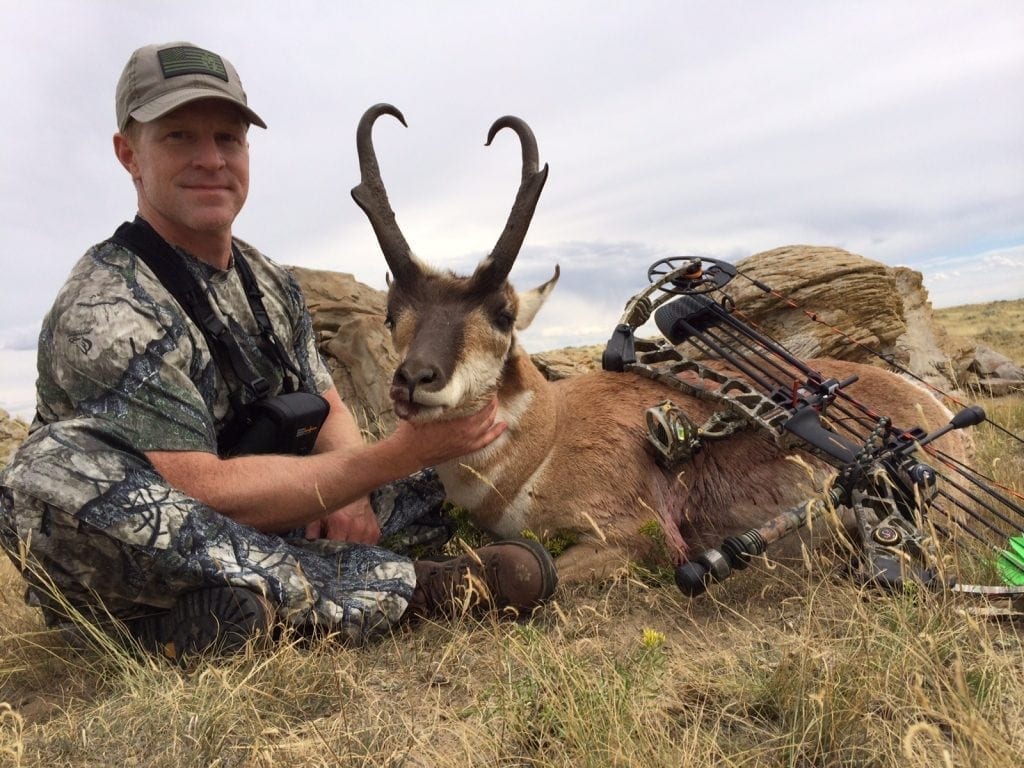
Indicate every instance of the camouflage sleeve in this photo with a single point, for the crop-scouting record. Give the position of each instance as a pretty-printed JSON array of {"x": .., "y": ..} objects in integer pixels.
[{"x": 120, "y": 351}]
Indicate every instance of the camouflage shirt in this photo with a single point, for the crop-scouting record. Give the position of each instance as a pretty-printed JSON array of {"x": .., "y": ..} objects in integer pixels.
[{"x": 117, "y": 347}]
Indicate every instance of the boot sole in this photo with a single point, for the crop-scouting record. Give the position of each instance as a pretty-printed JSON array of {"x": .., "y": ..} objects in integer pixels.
[{"x": 219, "y": 619}]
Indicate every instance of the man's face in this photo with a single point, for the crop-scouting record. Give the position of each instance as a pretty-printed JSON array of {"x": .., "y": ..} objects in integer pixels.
[{"x": 191, "y": 168}]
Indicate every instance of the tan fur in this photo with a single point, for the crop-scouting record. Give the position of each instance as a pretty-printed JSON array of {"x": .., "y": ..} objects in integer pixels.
[{"x": 576, "y": 463}]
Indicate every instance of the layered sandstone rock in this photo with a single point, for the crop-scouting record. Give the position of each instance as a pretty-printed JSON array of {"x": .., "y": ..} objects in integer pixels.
[
  {"x": 828, "y": 302},
  {"x": 348, "y": 319},
  {"x": 562, "y": 363}
]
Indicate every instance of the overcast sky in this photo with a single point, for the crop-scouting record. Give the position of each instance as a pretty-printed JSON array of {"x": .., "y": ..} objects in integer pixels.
[{"x": 892, "y": 129}]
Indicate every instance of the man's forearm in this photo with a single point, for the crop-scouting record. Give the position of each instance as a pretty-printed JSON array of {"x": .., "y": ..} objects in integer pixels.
[
  {"x": 276, "y": 493},
  {"x": 340, "y": 428}
]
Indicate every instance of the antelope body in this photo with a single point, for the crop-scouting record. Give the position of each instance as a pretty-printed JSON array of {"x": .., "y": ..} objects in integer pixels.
[{"x": 574, "y": 461}]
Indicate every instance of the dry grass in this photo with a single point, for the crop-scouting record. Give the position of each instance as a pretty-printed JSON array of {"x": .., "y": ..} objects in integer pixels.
[
  {"x": 998, "y": 324},
  {"x": 999, "y": 452},
  {"x": 775, "y": 667}
]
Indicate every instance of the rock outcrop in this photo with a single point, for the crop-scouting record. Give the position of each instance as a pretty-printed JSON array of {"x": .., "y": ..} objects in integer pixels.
[
  {"x": 563, "y": 363},
  {"x": 348, "y": 319},
  {"x": 841, "y": 290},
  {"x": 843, "y": 305},
  {"x": 924, "y": 347},
  {"x": 984, "y": 370}
]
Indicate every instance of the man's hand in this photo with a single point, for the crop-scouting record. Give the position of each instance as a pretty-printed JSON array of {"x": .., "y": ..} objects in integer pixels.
[
  {"x": 433, "y": 442},
  {"x": 355, "y": 523}
]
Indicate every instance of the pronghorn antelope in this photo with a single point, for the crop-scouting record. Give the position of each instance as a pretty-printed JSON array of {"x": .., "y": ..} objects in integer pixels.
[{"x": 574, "y": 461}]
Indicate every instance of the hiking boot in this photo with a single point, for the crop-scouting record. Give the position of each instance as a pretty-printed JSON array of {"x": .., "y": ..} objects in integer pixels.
[
  {"x": 515, "y": 576},
  {"x": 216, "y": 619}
]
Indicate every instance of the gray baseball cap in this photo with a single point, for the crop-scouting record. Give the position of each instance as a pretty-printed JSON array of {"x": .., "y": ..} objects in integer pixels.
[{"x": 160, "y": 78}]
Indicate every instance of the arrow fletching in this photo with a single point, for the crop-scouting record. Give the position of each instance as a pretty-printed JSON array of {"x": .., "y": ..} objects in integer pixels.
[{"x": 1011, "y": 562}]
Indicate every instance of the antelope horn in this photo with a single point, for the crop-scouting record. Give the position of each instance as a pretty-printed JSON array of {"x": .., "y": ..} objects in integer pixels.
[
  {"x": 371, "y": 196},
  {"x": 498, "y": 264}
]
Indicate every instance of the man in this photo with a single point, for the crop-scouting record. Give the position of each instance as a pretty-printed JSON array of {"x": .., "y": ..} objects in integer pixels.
[{"x": 123, "y": 501}]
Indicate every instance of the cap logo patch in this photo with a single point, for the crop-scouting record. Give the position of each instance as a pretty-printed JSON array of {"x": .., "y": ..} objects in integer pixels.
[{"x": 189, "y": 60}]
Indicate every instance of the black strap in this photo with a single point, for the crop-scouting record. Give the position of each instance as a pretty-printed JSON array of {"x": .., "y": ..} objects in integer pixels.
[
  {"x": 142, "y": 240},
  {"x": 259, "y": 312}
]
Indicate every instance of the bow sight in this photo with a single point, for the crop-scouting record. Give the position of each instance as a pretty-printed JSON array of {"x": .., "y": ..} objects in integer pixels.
[{"x": 900, "y": 502}]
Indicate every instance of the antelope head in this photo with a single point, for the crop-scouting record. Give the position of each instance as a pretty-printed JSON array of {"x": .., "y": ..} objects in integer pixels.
[{"x": 454, "y": 335}]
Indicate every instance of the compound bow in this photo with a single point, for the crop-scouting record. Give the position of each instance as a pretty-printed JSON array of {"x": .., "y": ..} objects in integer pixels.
[{"x": 900, "y": 503}]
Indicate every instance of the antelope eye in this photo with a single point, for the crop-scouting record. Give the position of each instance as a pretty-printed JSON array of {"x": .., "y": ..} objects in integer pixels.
[
  {"x": 504, "y": 321},
  {"x": 389, "y": 322}
]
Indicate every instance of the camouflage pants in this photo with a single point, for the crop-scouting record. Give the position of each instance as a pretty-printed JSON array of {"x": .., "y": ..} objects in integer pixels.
[{"x": 90, "y": 516}]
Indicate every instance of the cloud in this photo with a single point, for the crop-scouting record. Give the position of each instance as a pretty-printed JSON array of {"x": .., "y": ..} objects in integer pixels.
[
  {"x": 1005, "y": 258},
  {"x": 23, "y": 337},
  {"x": 17, "y": 382},
  {"x": 992, "y": 275},
  {"x": 892, "y": 130}
]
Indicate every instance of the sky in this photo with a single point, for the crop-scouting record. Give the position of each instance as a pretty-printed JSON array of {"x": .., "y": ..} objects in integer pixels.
[{"x": 722, "y": 129}]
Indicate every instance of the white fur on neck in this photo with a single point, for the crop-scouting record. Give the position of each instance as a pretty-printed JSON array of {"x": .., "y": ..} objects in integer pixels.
[{"x": 467, "y": 490}]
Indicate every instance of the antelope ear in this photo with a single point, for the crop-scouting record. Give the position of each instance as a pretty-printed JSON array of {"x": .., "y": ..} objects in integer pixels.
[{"x": 531, "y": 302}]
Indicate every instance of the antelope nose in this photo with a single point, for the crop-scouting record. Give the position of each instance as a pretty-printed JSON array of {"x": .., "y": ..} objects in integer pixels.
[{"x": 412, "y": 375}]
